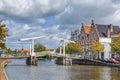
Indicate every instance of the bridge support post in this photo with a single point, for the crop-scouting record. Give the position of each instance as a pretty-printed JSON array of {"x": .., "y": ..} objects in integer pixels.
[{"x": 31, "y": 60}]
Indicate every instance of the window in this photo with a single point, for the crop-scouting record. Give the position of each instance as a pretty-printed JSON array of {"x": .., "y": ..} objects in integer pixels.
[
  {"x": 94, "y": 36},
  {"x": 82, "y": 37}
]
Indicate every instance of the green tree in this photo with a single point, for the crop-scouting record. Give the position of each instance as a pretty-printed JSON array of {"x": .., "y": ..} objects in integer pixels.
[
  {"x": 115, "y": 45},
  {"x": 73, "y": 48},
  {"x": 2, "y": 45},
  {"x": 3, "y": 34},
  {"x": 97, "y": 48},
  {"x": 8, "y": 51},
  {"x": 39, "y": 48}
]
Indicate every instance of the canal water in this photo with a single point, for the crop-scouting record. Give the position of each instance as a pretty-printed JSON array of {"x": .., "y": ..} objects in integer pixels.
[{"x": 48, "y": 70}]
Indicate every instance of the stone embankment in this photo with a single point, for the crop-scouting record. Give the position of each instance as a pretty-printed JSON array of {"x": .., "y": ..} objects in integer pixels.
[
  {"x": 3, "y": 63},
  {"x": 93, "y": 62}
]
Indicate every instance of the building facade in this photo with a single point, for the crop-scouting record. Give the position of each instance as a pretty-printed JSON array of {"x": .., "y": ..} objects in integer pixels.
[
  {"x": 75, "y": 35},
  {"x": 99, "y": 33}
]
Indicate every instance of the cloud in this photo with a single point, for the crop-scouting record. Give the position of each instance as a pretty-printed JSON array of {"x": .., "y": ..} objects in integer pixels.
[
  {"x": 27, "y": 30},
  {"x": 26, "y": 27},
  {"x": 85, "y": 10},
  {"x": 32, "y": 9},
  {"x": 41, "y": 21},
  {"x": 71, "y": 12}
]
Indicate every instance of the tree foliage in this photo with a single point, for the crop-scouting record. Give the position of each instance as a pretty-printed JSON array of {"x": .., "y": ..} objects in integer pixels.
[
  {"x": 3, "y": 34},
  {"x": 39, "y": 48},
  {"x": 97, "y": 47},
  {"x": 115, "y": 45},
  {"x": 2, "y": 45},
  {"x": 73, "y": 48},
  {"x": 8, "y": 51}
]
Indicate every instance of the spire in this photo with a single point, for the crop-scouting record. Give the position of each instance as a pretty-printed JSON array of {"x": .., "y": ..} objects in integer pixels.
[{"x": 82, "y": 24}]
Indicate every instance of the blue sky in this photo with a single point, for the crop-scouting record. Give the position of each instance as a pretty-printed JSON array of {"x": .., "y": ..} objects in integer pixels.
[{"x": 29, "y": 18}]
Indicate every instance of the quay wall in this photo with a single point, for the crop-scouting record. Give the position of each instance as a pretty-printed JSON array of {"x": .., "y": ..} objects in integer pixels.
[
  {"x": 93, "y": 62},
  {"x": 3, "y": 64}
]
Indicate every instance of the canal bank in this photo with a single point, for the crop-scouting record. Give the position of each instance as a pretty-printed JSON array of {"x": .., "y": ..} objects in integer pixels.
[
  {"x": 93, "y": 62},
  {"x": 3, "y": 63},
  {"x": 69, "y": 61}
]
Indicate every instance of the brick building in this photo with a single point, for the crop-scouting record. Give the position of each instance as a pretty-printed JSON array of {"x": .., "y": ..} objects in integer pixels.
[{"x": 95, "y": 32}]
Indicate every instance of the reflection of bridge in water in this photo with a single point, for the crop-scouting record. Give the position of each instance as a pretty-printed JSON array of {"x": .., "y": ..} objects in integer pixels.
[
  {"x": 37, "y": 55},
  {"x": 15, "y": 57},
  {"x": 29, "y": 58}
]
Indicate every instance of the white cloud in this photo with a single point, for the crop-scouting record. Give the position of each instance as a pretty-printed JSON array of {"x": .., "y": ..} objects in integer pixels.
[
  {"x": 41, "y": 21},
  {"x": 114, "y": 19},
  {"x": 32, "y": 9},
  {"x": 26, "y": 31},
  {"x": 26, "y": 27},
  {"x": 85, "y": 10},
  {"x": 55, "y": 28}
]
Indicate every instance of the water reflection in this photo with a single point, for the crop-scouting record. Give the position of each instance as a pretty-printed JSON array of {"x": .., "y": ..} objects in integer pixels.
[{"x": 47, "y": 70}]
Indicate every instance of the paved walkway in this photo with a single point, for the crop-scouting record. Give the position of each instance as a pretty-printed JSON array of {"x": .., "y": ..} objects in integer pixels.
[{"x": 2, "y": 75}]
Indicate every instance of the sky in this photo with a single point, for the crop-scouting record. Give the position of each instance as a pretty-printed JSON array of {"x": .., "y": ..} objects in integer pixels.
[{"x": 31, "y": 18}]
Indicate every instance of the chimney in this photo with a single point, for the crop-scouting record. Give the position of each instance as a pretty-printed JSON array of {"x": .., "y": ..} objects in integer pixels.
[
  {"x": 93, "y": 22},
  {"x": 111, "y": 28},
  {"x": 108, "y": 33}
]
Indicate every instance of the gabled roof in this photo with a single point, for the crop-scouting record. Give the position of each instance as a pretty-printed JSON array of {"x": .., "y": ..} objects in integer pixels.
[
  {"x": 103, "y": 28},
  {"x": 87, "y": 29}
]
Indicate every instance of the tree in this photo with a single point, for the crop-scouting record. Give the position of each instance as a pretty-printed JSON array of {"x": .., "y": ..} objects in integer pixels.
[
  {"x": 115, "y": 45},
  {"x": 97, "y": 48},
  {"x": 73, "y": 48},
  {"x": 2, "y": 45},
  {"x": 3, "y": 35},
  {"x": 8, "y": 51},
  {"x": 39, "y": 48}
]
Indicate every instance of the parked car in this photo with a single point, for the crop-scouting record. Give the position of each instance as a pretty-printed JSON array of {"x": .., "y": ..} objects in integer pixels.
[
  {"x": 111, "y": 60},
  {"x": 117, "y": 59},
  {"x": 103, "y": 60}
]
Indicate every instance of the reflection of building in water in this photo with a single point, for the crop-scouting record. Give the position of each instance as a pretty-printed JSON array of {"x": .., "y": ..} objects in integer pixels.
[
  {"x": 85, "y": 73},
  {"x": 105, "y": 73}
]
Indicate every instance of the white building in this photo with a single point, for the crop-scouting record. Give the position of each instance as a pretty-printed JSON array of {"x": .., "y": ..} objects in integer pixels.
[{"x": 107, "y": 48}]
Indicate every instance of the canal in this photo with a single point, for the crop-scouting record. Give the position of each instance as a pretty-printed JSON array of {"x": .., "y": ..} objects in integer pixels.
[{"x": 48, "y": 70}]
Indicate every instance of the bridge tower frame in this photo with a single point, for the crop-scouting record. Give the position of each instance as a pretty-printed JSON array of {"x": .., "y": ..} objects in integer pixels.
[{"x": 31, "y": 60}]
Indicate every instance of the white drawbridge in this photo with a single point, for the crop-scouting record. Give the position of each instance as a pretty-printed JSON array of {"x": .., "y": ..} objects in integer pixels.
[
  {"x": 31, "y": 43},
  {"x": 62, "y": 43}
]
